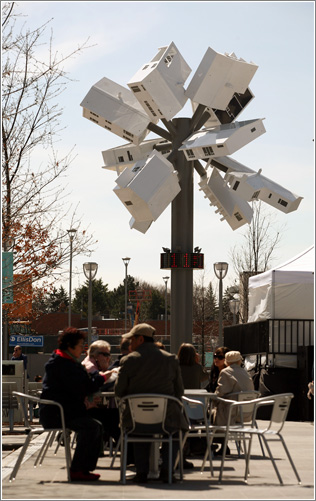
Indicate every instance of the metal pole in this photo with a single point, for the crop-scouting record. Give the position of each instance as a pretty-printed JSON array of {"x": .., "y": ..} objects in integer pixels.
[
  {"x": 126, "y": 264},
  {"x": 166, "y": 311},
  {"x": 90, "y": 310},
  {"x": 182, "y": 241},
  {"x": 70, "y": 284},
  {"x": 71, "y": 234},
  {"x": 5, "y": 336},
  {"x": 220, "y": 313}
]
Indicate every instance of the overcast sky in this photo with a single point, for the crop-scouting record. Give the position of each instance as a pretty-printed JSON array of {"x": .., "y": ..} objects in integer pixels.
[{"x": 277, "y": 36}]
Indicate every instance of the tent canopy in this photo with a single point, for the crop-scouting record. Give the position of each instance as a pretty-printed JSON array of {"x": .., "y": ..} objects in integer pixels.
[{"x": 286, "y": 292}]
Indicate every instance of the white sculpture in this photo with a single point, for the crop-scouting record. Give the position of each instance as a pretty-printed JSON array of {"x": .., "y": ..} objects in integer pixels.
[{"x": 219, "y": 91}]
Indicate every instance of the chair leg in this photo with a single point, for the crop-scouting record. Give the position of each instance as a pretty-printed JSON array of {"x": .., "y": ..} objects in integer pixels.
[
  {"x": 223, "y": 458},
  {"x": 11, "y": 419},
  {"x": 170, "y": 461},
  {"x": 248, "y": 459},
  {"x": 290, "y": 458},
  {"x": 181, "y": 454},
  {"x": 124, "y": 445},
  {"x": 272, "y": 459},
  {"x": 47, "y": 443},
  {"x": 118, "y": 445},
  {"x": 68, "y": 455},
  {"x": 20, "y": 458},
  {"x": 184, "y": 439}
]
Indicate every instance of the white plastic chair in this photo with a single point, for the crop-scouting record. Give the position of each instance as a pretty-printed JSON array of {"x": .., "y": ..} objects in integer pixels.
[
  {"x": 279, "y": 405},
  {"x": 9, "y": 402},
  {"x": 24, "y": 400},
  {"x": 148, "y": 414},
  {"x": 199, "y": 424},
  {"x": 242, "y": 396}
]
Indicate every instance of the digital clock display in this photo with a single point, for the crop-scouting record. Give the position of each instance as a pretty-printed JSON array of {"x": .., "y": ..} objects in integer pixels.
[{"x": 172, "y": 260}]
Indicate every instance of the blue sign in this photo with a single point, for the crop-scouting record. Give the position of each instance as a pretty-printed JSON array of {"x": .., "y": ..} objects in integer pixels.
[{"x": 31, "y": 341}]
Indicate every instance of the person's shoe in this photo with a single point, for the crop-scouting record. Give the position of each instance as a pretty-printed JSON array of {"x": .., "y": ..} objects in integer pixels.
[
  {"x": 164, "y": 476},
  {"x": 82, "y": 476},
  {"x": 140, "y": 478},
  {"x": 187, "y": 465}
]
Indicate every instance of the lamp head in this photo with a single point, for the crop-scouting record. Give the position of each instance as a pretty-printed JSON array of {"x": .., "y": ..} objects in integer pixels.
[
  {"x": 71, "y": 234},
  {"x": 165, "y": 279},
  {"x": 90, "y": 270},
  {"x": 126, "y": 260},
  {"x": 220, "y": 269}
]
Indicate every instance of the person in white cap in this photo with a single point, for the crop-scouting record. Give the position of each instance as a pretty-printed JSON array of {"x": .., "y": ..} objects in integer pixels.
[
  {"x": 232, "y": 379},
  {"x": 148, "y": 369}
]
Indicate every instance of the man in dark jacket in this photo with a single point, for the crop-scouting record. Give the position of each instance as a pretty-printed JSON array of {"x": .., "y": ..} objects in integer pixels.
[{"x": 148, "y": 369}]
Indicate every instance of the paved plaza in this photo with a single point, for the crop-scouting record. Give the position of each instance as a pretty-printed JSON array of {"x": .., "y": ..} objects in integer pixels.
[{"x": 50, "y": 480}]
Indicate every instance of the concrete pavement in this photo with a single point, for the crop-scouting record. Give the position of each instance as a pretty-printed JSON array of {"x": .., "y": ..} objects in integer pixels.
[{"x": 50, "y": 480}]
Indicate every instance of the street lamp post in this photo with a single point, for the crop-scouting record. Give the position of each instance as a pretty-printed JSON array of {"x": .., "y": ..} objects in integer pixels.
[
  {"x": 90, "y": 271},
  {"x": 220, "y": 270},
  {"x": 126, "y": 260},
  {"x": 165, "y": 279},
  {"x": 71, "y": 234}
]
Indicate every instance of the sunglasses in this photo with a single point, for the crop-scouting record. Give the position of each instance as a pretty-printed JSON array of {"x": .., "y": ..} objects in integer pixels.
[
  {"x": 104, "y": 354},
  {"x": 220, "y": 357}
]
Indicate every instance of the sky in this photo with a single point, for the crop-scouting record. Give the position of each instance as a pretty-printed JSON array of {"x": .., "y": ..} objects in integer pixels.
[{"x": 277, "y": 36}]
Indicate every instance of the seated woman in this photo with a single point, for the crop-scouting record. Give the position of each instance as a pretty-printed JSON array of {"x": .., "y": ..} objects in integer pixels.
[
  {"x": 67, "y": 382},
  {"x": 192, "y": 371},
  {"x": 96, "y": 363},
  {"x": 98, "y": 360},
  {"x": 193, "y": 375},
  {"x": 217, "y": 366}
]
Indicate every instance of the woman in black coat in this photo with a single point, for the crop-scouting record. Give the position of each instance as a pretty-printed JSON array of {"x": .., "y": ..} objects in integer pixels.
[{"x": 66, "y": 381}]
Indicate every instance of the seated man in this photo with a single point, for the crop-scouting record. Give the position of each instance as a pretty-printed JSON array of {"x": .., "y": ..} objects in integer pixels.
[{"x": 148, "y": 369}]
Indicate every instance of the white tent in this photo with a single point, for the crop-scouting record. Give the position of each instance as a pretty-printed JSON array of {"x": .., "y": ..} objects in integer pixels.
[{"x": 286, "y": 292}]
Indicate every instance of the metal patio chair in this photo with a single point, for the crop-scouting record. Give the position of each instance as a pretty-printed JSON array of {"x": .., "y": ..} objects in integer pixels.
[
  {"x": 148, "y": 413},
  {"x": 278, "y": 407},
  {"x": 31, "y": 430}
]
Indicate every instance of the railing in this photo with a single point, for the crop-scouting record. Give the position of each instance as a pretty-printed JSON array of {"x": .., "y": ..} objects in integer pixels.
[
  {"x": 274, "y": 336},
  {"x": 286, "y": 335}
]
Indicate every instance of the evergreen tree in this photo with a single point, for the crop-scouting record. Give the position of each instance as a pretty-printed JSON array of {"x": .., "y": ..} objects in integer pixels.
[{"x": 100, "y": 299}]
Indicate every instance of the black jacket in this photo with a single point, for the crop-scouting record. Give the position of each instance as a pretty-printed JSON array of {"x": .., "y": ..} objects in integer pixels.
[{"x": 68, "y": 383}]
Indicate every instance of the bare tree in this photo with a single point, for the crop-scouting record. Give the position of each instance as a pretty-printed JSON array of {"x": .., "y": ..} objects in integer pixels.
[
  {"x": 262, "y": 238},
  {"x": 34, "y": 207}
]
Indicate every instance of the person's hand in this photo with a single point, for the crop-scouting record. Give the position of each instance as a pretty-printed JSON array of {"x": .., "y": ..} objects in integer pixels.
[{"x": 310, "y": 390}]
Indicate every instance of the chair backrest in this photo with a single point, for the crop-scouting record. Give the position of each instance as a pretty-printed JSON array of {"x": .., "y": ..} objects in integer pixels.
[
  {"x": 148, "y": 412},
  {"x": 34, "y": 387},
  {"x": 8, "y": 399},
  {"x": 25, "y": 398},
  {"x": 194, "y": 408},
  {"x": 245, "y": 411},
  {"x": 280, "y": 406}
]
